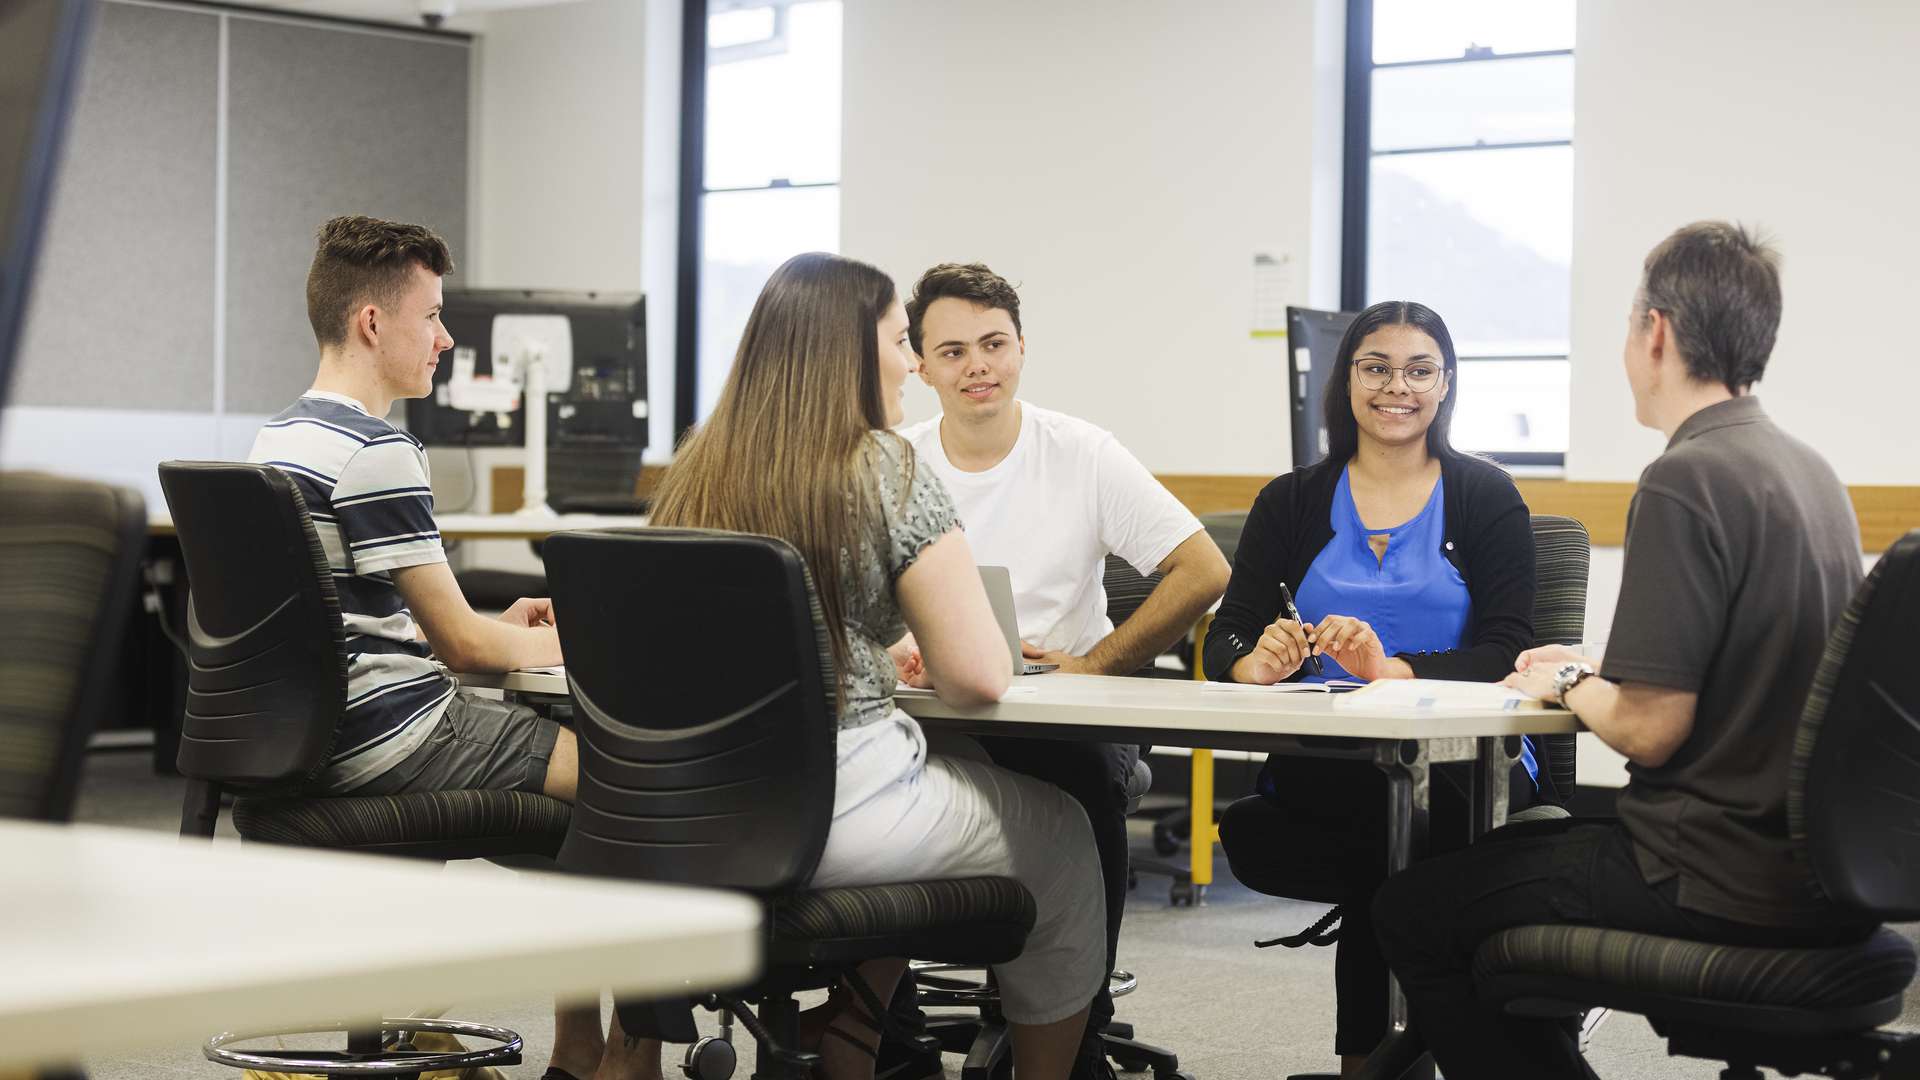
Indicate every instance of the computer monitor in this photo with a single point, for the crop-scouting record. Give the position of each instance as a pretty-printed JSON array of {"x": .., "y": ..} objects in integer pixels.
[
  {"x": 1313, "y": 339},
  {"x": 40, "y": 45},
  {"x": 593, "y": 347}
]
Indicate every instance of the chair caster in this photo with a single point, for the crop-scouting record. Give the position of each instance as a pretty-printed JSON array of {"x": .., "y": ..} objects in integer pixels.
[
  {"x": 1165, "y": 840},
  {"x": 1187, "y": 894},
  {"x": 1132, "y": 1065},
  {"x": 710, "y": 1059}
]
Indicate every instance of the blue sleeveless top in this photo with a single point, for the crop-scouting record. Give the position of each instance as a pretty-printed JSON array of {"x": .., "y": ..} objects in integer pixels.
[{"x": 1413, "y": 597}]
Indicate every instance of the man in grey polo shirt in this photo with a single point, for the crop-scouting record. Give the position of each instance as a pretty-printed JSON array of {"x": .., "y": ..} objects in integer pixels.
[{"x": 1741, "y": 552}]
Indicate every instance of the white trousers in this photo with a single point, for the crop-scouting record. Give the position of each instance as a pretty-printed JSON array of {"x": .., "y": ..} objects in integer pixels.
[{"x": 901, "y": 815}]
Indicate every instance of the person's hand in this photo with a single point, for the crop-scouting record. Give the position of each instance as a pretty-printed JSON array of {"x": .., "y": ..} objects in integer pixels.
[
  {"x": 1352, "y": 644},
  {"x": 1067, "y": 662},
  {"x": 1548, "y": 657},
  {"x": 529, "y": 611},
  {"x": 1535, "y": 681},
  {"x": 908, "y": 664},
  {"x": 1281, "y": 650}
]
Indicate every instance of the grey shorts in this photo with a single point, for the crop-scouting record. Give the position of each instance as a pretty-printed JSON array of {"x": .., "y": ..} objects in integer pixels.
[{"x": 477, "y": 744}]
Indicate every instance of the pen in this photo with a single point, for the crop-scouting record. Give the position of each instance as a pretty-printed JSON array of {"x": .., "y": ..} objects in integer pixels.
[{"x": 1286, "y": 606}]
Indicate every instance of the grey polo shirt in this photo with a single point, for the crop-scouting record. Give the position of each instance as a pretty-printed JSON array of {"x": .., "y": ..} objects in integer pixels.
[{"x": 1742, "y": 550}]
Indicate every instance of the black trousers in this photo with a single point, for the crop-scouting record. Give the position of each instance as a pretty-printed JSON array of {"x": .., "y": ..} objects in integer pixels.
[
  {"x": 1321, "y": 835},
  {"x": 1433, "y": 917},
  {"x": 1095, "y": 774}
]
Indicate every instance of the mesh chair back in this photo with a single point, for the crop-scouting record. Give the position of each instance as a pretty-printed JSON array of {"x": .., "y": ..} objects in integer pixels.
[
  {"x": 1225, "y": 527},
  {"x": 1562, "y": 554},
  {"x": 1126, "y": 590},
  {"x": 69, "y": 553},
  {"x": 267, "y": 668},
  {"x": 1851, "y": 809},
  {"x": 703, "y": 697}
]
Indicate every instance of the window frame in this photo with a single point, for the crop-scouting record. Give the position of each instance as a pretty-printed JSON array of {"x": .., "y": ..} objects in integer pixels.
[
  {"x": 1358, "y": 154},
  {"x": 694, "y": 59}
]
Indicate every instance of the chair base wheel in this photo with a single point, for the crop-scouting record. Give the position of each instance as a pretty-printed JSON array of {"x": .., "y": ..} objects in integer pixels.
[
  {"x": 710, "y": 1059},
  {"x": 1187, "y": 894},
  {"x": 377, "y": 1058}
]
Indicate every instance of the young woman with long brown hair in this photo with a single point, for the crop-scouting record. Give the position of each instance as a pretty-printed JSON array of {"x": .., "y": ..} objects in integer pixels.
[{"x": 797, "y": 448}]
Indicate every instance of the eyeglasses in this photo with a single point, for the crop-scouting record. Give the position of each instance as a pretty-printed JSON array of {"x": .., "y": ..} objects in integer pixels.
[{"x": 1375, "y": 375}]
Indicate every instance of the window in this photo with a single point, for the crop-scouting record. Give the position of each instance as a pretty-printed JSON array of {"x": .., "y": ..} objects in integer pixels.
[
  {"x": 1460, "y": 195},
  {"x": 762, "y": 95}
]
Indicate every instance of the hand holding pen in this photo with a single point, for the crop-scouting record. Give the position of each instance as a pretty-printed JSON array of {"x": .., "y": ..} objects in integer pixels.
[{"x": 1286, "y": 608}]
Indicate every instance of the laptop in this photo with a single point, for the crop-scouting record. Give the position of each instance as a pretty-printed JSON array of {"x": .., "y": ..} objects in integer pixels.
[{"x": 999, "y": 583}]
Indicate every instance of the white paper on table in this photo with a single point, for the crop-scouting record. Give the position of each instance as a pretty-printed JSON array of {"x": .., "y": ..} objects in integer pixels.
[
  {"x": 901, "y": 689},
  {"x": 1342, "y": 685},
  {"x": 1428, "y": 694},
  {"x": 557, "y": 669}
]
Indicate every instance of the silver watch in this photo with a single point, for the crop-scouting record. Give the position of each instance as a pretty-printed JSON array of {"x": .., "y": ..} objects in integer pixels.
[{"x": 1567, "y": 676}]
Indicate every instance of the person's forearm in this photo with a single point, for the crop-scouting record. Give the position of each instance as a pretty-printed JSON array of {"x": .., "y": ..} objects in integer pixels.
[
  {"x": 1168, "y": 612},
  {"x": 489, "y": 645}
]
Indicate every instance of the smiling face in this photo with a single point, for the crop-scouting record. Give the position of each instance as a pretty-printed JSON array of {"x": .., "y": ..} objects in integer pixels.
[
  {"x": 410, "y": 335},
  {"x": 1398, "y": 359},
  {"x": 971, "y": 355},
  {"x": 896, "y": 360}
]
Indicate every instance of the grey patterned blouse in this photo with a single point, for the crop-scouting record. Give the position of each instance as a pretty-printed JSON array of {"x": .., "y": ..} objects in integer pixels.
[{"x": 915, "y": 510}]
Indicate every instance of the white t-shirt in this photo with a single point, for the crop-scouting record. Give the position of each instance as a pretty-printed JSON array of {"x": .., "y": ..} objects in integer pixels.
[{"x": 1065, "y": 496}]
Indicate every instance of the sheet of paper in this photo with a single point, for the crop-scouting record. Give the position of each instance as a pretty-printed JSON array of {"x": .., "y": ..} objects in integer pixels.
[
  {"x": 1436, "y": 694},
  {"x": 557, "y": 669}
]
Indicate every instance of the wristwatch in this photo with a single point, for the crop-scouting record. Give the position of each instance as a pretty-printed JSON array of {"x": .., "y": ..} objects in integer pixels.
[{"x": 1568, "y": 676}]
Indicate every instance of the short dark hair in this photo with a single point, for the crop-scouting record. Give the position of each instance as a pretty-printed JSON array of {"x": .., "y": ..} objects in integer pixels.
[
  {"x": 1719, "y": 285},
  {"x": 360, "y": 260},
  {"x": 1336, "y": 404},
  {"x": 961, "y": 281}
]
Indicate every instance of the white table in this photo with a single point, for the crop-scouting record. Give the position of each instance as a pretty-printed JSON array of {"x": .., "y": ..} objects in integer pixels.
[
  {"x": 1403, "y": 743},
  {"x": 478, "y": 526},
  {"x": 115, "y": 939}
]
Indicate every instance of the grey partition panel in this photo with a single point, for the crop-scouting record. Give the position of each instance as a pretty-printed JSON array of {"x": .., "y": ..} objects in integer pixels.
[
  {"x": 326, "y": 121},
  {"x": 122, "y": 311}
]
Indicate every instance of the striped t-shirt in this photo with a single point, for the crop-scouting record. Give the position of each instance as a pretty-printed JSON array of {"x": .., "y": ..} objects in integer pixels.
[{"x": 365, "y": 483}]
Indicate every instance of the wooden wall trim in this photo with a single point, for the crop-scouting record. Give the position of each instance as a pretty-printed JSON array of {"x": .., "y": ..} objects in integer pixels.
[
  {"x": 506, "y": 485},
  {"x": 1886, "y": 512}
]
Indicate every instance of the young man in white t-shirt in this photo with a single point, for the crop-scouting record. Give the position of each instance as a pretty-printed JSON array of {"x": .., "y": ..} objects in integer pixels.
[{"x": 1049, "y": 496}]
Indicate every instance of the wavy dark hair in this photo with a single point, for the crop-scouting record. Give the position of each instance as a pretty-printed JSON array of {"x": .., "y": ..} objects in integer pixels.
[{"x": 1336, "y": 408}]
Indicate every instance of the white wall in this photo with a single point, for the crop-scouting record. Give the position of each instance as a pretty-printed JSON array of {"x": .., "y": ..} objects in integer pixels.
[
  {"x": 1121, "y": 164},
  {"x": 1792, "y": 116},
  {"x": 575, "y": 137}
]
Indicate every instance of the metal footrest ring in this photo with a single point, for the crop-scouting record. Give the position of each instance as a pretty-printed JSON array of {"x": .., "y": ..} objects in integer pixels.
[{"x": 385, "y": 1062}]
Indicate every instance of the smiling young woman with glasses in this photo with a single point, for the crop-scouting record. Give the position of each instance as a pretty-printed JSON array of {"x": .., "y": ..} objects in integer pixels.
[{"x": 1407, "y": 558}]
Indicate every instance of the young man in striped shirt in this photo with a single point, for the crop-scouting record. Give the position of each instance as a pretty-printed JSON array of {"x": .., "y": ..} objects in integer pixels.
[{"x": 373, "y": 296}]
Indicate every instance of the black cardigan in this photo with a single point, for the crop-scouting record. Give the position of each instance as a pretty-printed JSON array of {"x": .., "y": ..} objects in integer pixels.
[{"x": 1489, "y": 539}]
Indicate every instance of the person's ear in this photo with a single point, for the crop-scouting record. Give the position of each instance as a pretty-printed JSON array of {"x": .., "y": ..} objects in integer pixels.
[
  {"x": 366, "y": 323},
  {"x": 1657, "y": 335}
]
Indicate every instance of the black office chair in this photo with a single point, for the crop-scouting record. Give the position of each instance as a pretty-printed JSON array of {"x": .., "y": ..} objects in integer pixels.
[
  {"x": 69, "y": 555},
  {"x": 1269, "y": 854},
  {"x": 1851, "y": 815},
  {"x": 267, "y": 685},
  {"x": 1172, "y": 828},
  {"x": 704, "y": 693}
]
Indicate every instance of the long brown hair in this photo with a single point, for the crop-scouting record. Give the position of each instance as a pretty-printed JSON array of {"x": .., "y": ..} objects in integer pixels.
[{"x": 781, "y": 455}]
